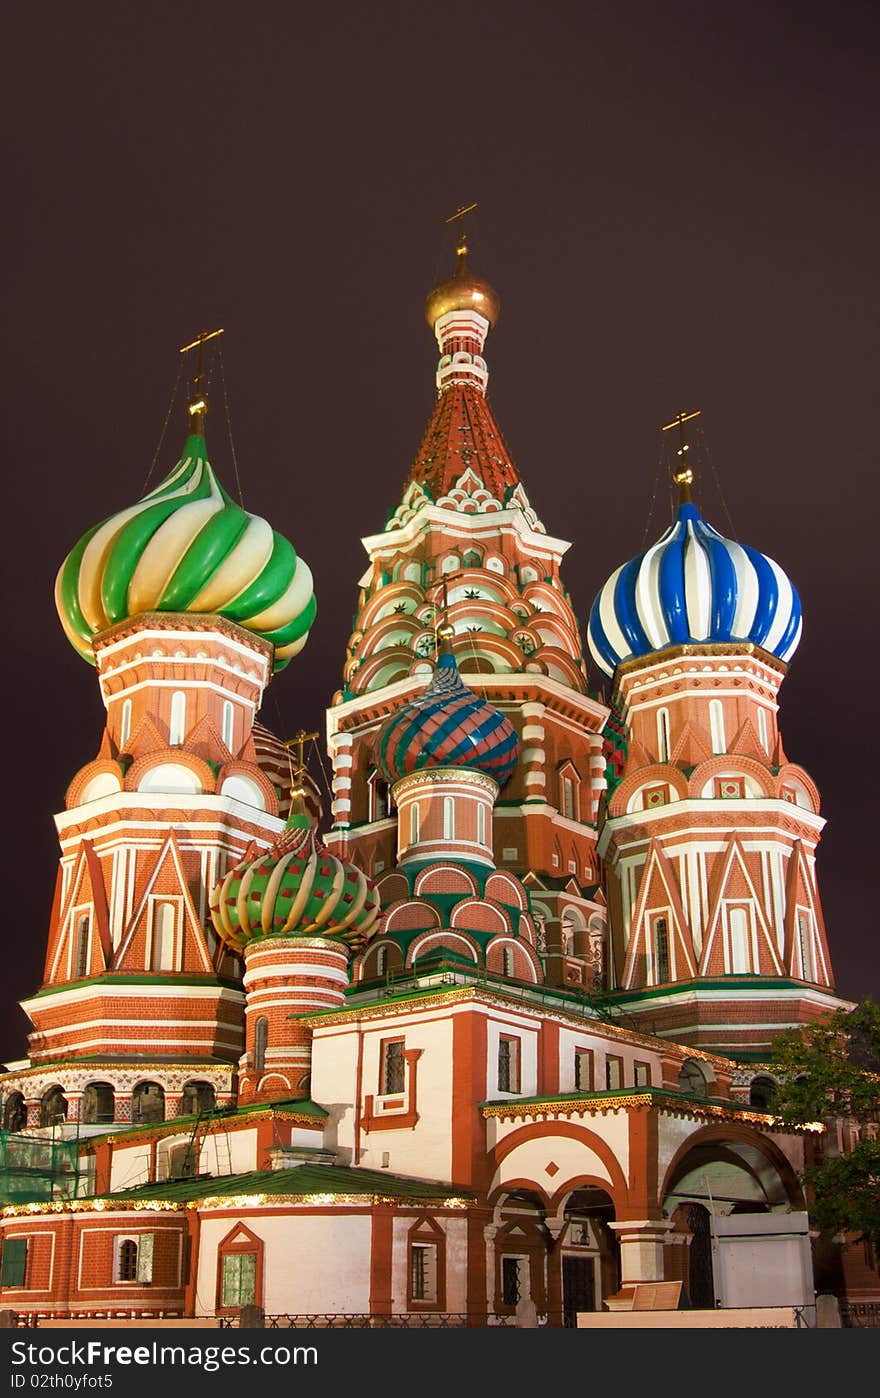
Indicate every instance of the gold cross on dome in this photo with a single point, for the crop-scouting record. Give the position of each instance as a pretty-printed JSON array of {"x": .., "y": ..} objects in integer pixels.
[
  {"x": 462, "y": 237},
  {"x": 299, "y": 741},
  {"x": 198, "y": 405},
  {"x": 684, "y": 475}
]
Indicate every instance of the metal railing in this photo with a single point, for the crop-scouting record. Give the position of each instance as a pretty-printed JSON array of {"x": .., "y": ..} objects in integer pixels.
[
  {"x": 860, "y": 1315},
  {"x": 332, "y": 1320}
]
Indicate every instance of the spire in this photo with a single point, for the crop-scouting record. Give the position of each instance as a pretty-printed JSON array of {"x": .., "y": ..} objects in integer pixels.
[
  {"x": 684, "y": 476},
  {"x": 197, "y": 407},
  {"x": 462, "y": 432}
]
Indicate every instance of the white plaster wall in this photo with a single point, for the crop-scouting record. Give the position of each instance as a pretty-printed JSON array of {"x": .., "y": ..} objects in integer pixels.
[
  {"x": 130, "y": 1166},
  {"x": 573, "y": 1158},
  {"x": 527, "y": 1033},
  {"x": 311, "y": 1263},
  {"x": 424, "y": 1151},
  {"x": 570, "y": 1039},
  {"x": 455, "y": 1230}
]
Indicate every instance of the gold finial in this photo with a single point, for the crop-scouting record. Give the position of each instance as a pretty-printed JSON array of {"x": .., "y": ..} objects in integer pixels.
[
  {"x": 461, "y": 248},
  {"x": 298, "y": 741},
  {"x": 445, "y": 629},
  {"x": 198, "y": 403},
  {"x": 684, "y": 476}
]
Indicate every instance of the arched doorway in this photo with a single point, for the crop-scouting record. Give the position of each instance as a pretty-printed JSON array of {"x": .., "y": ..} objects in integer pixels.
[
  {"x": 99, "y": 1104},
  {"x": 147, "y": 1103},
  {"x": 53, "y": 1107},
  {"x": 722, "y": 1171},
  {"x": 590, "y": 1253},
  {"x": 197, "y": 1097},
  {"x": 15, "y": 1112},
  {"x": 521, "y": 1244}
]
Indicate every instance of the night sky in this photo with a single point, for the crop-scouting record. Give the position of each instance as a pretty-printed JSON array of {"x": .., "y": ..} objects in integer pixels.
[{"x": 678, "y": 205}]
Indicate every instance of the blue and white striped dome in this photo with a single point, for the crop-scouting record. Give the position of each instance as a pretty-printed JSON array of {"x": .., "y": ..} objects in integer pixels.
[{"x": 693, "y": 586}]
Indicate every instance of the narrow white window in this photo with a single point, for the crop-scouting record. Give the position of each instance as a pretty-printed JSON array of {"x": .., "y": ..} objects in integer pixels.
[
  {"x": 716, "y": 725},
  {"x": 125, "y": 723},
  {"x": 805, "y": 944},
  {"x": 178, "y": 718},
  {"x": 228, "y": 723},
  {"x": 163, "y": 937},
  {"x": 738, "y": 933},
  {"x": 448, "y": 818},
  {"x": 762, "y": 730},
  {"x": 663, "y": 735},
  {"x": 414, "y": 825},
  {"x": 481, "y": 825}
]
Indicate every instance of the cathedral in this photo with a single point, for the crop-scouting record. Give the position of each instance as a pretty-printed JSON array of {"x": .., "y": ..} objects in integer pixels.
[{"x": 489, "y": 1020}]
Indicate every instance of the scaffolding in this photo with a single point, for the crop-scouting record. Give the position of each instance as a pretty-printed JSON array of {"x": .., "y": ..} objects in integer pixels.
[{"x": 34, "y": 1168}]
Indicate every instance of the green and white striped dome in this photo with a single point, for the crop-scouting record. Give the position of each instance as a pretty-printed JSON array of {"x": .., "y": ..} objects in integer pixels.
[{"x": 187, "y": 547}]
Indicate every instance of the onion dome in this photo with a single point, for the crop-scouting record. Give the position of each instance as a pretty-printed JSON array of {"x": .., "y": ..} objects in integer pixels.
[
  {"x": 462, "y": 292},
  {"x": 447, "y": 725},
  {"x": 274, "y": 761},
  {"x": 693, "y": 586},
  {"x": 297, "y": 888},
  {"x": 187, "y": 547}
]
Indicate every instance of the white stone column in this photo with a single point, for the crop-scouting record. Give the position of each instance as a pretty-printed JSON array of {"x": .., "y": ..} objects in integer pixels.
[{"x": 642, "y": 1241}]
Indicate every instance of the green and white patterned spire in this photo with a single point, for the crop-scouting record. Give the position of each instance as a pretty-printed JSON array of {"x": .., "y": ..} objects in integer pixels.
[{"x": 187, "y": 547}]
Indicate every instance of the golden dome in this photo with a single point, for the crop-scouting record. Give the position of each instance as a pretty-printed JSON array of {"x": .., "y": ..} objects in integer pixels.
[{"x": 462, "y": 292}]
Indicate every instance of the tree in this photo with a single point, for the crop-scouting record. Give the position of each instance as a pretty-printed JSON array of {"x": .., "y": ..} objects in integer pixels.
[{"x": 828, "y": 1072}]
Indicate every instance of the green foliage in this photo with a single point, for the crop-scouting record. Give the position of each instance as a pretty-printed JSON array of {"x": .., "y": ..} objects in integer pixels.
[{"x": 832, "y": 1070}]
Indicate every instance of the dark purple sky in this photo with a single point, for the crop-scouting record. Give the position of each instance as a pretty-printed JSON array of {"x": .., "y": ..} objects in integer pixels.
[{"x": 678, "y": 206}]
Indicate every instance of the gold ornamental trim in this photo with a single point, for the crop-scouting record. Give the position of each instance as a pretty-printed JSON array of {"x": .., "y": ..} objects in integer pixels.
[{"x": 674, "y": 1106}]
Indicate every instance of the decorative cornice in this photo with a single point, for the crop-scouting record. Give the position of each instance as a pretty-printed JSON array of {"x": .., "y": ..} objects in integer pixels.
[{"x": 670, "y": 1103}]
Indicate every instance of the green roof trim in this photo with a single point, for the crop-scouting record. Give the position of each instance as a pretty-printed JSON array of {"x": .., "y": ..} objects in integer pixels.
[
  {"x": 221, "y": 1117},
  {"x": 764, "y": 984},
  {"x": 302, "y": 1179},
  {"x": 222, "y": 983}
]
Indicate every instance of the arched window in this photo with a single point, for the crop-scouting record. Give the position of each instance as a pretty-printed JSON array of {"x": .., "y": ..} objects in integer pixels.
[
  {"x": 716, "y": 726},
  {"x": 663, "y": 735},
  {"x": 738, "y": 934},
  {"x": 147, "y": 1103},
  {"x": 164, "y": 920},
  {"x": 481, "y": 825},
  {"x": 81, "y": 961},
  {"x": 378, "y": 796},
  {"x": 125, "y": 723},
  {"x": 471, "y": 559},
  {"x": 567, "y": 797},
  {"x": 261, "y": 1041},
  {"x": 14, "y": 1112},
  {"x": 99, "y": 1104},
  {"x": 228, "y": 723},
  {"x": 177, "y": 729},
  {"x": 448, "y": 818},
  {"x": 414, "y": 825},
  {"x": 53, "y": 1107},
  {"x": 692, "y": 1079},
  {"x": 128, "y": 1260},
  {"x": 761, "y": 1090},
  {"x": 197, "y": 1097},
  {"x": 134, "y": 1259},
  {"x": 661, "y": 951}
]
